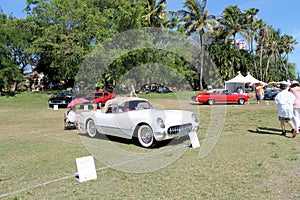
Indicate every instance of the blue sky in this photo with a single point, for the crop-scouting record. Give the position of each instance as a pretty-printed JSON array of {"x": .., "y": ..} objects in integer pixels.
[{"x": 281, "y": 15}]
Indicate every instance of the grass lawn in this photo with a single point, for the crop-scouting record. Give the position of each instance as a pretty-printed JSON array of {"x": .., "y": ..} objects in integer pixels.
[{"x": 242, "y": 156}]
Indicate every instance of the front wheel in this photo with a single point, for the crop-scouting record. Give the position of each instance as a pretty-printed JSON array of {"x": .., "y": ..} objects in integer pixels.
[
  {"x": 241, "y": 101},
  {"x": 91, "y": 128},
  {"x": 145, "y": 136},
  {"x": 211, "y": 102}
]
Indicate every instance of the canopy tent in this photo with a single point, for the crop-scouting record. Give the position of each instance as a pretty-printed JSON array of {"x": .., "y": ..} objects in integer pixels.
[
  {"x": 250, "y": 79},
  {"x": 240, "y": 81},
  {"x": 236, "y": 82}
]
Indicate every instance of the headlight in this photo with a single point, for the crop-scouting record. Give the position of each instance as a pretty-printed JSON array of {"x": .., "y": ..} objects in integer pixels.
[
  {"x": 160, "y": 123},
  {"x": 195, "y": 118}
]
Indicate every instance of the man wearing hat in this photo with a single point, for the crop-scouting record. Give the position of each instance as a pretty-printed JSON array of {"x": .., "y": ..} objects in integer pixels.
[
  {"x": 295, "y": 89},
  {"x": 285, "y": 101}
]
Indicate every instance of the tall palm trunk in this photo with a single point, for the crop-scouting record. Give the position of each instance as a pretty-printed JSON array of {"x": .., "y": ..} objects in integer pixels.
[
  {"x": 201, "y": 62},
  {"x": 287, "y": 76},
  {"x": 253, "y": 57},
  {"x": 260, "y": 61}
]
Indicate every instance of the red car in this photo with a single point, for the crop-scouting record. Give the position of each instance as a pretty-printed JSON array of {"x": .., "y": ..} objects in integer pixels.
[
  {"x": 220, "y": 96},
  {"x": 100, "y": 98}
]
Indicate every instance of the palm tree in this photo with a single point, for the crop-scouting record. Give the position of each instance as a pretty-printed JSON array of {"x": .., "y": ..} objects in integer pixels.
[
  {"x": 288, "y": 46},
  {"x": 233, "y": 23},
  {"x": 261, "y": 40},
  {"x": 156, "y": 16},
  {"x": 197, "y": 20},
  {"x": 271, "y": 48},
  {"x": 252, "y": 25}
]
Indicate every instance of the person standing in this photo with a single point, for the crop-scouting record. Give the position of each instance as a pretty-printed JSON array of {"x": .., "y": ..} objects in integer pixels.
[
  {"x": 295, "y": 89},
  {"x": 132, "y": 89},
  {"x": 259, "y": 93},
  {"x": 285, "y": 101}
]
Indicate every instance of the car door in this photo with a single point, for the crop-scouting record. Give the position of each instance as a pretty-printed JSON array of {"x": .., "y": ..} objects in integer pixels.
[
  {"x": 218, "y": 96},
  {"x": 116, "y": 122},
  {"x": 229, "y": 97}
]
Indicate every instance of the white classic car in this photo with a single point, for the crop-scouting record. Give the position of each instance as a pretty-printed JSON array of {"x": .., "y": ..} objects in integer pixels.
[{"x": 131, "y": 118}]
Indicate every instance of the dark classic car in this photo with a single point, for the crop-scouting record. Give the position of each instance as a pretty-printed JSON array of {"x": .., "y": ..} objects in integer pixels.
[
  {"x": 62, "y": 99},
  {"x": 270, "y": 93},
  {"x": 220, "y": 96}
]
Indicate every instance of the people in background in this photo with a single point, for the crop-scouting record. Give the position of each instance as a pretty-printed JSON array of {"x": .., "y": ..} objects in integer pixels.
[
  {"x": 259, "y": 93},
  {"x": 285, "y": 101},
  {"x": 74, "y": 117},
  {"x": 239, "y": 90},
  {"x": 295, "y": 89},
  {"x": 132, "y": 89}
]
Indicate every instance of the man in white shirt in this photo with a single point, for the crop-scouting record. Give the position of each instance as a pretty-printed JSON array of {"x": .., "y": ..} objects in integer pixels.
[{"x": 285, "y": 100}]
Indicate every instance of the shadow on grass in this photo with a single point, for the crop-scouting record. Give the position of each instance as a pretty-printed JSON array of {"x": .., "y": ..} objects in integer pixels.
[
  {"x": 134, "y": 141},
  {"x": 269, "y": 131}
]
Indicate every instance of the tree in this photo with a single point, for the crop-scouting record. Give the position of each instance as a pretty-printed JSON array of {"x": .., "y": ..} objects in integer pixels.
[
  {"x": 261, "y": 40},
  {"x": 156, "y": 14},
  {"x": 13, "y": 57},
  {"x": 197, "y": 20},
  {"x": 252, "y": 26},
  {"x": 288, "y": 45},
  {"x": 233, "y": 23}
]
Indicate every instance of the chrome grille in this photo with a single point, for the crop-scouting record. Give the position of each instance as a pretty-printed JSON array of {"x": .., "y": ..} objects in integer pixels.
[{"x": 185, "y": 128}]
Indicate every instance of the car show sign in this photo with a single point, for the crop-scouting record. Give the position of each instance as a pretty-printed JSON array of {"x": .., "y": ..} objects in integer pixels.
[
  {"x": 194, "y": 140},
  {"x": 86, "y": 169}
]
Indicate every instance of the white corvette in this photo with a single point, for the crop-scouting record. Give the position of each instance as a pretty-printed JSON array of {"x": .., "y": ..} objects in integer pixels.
[{"x": 130, "y": 117}]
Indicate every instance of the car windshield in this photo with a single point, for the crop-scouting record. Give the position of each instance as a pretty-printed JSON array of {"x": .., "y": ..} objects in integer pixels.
[
  {"x": 95, "y": 95},
  {"x": 63, "y": 94},
  {"x": 137, "y": 105},
  {"x": 272, "y": 90}
]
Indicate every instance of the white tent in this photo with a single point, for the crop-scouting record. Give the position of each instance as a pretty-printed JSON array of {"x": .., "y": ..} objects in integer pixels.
[
  {"x": 250, "y": 79},
  {"x": 240, "y": 81},
  {"x": 236, "y": 82}
]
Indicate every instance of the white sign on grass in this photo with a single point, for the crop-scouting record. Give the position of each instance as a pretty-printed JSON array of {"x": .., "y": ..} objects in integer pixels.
[
  {"x": 86, "y": 168},
  {"x": 194, "y": 140},
  {"x": 55, "y": 107}
]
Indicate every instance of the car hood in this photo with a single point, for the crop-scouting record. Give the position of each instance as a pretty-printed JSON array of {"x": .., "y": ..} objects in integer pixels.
[
  {"x": 168, "y": 116},
  {"x": 59, "y": 98}
]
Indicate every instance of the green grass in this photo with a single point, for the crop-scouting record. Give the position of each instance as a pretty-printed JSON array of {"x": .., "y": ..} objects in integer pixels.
[{"x": 250, "y": 159}]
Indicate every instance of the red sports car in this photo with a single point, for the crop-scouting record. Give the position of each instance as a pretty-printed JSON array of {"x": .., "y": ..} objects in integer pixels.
[
  {"x": 100, "y": 98},
  {"x": 220, "y": 96}
]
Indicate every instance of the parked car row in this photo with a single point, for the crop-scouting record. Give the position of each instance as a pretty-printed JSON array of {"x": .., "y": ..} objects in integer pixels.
[
  {"x": 135, "y": 118},
  {"x": 210, "y": 97},
  {"x": 63, "y": 99},
  {"x": 153, "y": 87}
]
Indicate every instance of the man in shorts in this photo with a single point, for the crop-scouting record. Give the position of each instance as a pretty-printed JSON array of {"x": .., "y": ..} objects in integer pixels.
[
  {"x": 285, "y": 101},
  {"x": 259, "y": 90}
]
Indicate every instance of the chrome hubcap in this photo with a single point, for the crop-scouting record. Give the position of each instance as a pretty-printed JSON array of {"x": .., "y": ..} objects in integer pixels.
[{"x": 146, "y": 135}]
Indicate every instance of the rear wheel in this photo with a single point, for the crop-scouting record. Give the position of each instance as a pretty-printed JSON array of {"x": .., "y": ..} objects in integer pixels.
[
  {"x": 241, "y": 101},
  {"x": 91, "y": 128},
  {"x": 210, "y": 102},
  {"x": 145, "y": 136}
]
